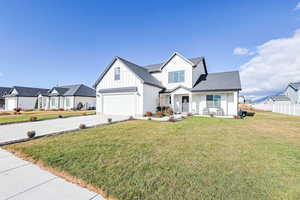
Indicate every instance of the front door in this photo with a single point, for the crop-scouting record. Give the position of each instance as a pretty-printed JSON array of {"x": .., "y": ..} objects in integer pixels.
[{"x": 185, "y": 103}]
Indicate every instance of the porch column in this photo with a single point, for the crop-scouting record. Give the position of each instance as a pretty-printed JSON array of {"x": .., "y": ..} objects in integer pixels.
[
  {"x": 190, "y": 102},
  {"x": 173, "y": 102}
]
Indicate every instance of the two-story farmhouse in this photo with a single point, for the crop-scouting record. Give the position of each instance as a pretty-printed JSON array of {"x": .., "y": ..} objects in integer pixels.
[{"x": 185, "y": 85}]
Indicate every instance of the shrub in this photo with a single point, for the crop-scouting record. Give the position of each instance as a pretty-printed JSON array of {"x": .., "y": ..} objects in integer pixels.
[
  {"x": 17, "y": 109},
  {"x": 149, "y": 118},
  {"x": 82, "y": 126},
  {"x": 189, "y": 114},
  {"x": 169, "y": 111},
  {"x": 159, "y": 114},
  {"x": 144, "y": 115},
  {"x": 60, "y": 116},
  {"x": 109, "y": 120},
  {"x": 31, "y": 134},
  {"x": 172, "y": 119},
  {"x": 32, "y": 118},
  {"x": 131, "y": 118},
  {"x": 148, "y": 114},
  {"x": 212, "y": 115},
  {"x": 158, "y": 109},
  {"x": 61, "y": 109},
  {"x": 84, "y": 113},
  {"x": 79, "y": 106}
]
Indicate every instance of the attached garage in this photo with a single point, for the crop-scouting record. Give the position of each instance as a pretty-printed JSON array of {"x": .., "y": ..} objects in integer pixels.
[
  {"x": 10, "y": 103},
  {"x": 120, "y": 104}
]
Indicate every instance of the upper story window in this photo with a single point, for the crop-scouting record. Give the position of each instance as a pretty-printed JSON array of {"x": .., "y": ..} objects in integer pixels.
[
  {"x": 117, "y": 73},
  {"x": 213, "y": 101},
  {"x": 176, "y": 76}
]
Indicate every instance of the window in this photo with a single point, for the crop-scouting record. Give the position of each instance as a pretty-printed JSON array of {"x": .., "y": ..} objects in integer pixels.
[
  {"x": 117, "y": 73},
  {"x": 67, "y": 102},
  {"x": 213, "y": 101},
  {"x": 176, "y": 77},
  {"x": 53, "y": 103}
]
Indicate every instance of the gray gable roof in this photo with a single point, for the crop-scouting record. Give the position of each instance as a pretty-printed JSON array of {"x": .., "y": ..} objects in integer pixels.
[
  {"x": 29, "y": 91},
  {"x": 75, "y": 90},
  {"x": 279, "y": 98},
  {"x": 295, "y": 85},
  {"x": 218, "y": 81},
  {"x": 141, "y": 72},
  {"x": 4, "y": 91}
]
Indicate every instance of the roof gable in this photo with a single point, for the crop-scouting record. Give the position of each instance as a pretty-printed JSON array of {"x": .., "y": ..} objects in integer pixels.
[
  {"x": 182, "y": 57},
  {"x": 4, "y": 91},
  {"x": 139, "y": 71},
  {"x": 157, "y": 67}
]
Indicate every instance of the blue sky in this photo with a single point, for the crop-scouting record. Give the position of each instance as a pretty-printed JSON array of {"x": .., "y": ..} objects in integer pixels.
[{"x": 50, "y": 42}]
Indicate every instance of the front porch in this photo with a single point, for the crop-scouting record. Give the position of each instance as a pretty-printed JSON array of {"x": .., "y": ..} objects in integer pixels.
[{"x": 222, "y": 103}]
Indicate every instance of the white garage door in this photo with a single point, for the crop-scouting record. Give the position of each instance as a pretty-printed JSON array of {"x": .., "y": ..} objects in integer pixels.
[
  {"x": 119, "y": 104},
  {"x": 11, "y": 104}
]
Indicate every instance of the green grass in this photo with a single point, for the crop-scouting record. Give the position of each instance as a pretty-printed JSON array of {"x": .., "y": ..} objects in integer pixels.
[
  {"x": 198, "y": 158},
  {"x": 8, "y": 119}
]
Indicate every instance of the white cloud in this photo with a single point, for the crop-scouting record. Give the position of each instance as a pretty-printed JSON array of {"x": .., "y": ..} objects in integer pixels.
[
  {"x": 276, "y": 63},
  {"x": 297, "y": 6},
  {"x": 242, "y": 51}
]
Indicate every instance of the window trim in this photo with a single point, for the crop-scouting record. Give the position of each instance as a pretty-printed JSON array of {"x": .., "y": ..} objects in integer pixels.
[{"x": 180, "y": 77}]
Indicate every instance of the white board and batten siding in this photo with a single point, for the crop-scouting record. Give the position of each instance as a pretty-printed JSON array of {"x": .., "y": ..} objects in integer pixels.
[
  {"x": 86, "y": 101},
  {"x": 176, "y": 64},
  {"x": 24, "y": 103}
]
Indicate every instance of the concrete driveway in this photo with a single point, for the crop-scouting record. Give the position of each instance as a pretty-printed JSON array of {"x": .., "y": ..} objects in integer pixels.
[
  {"x": 21, "y": 180},
  {"x": 19, "y": 131}
]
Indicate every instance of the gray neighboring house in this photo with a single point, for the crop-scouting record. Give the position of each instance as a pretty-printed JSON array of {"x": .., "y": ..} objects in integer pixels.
[
  {"x": 3, "y": 92},
  {"x": 22, "y": 97},
  {"x": 278, "y": 99},
  {"x": 292, "y": 91},
  {"x": 68, "y": 97}
]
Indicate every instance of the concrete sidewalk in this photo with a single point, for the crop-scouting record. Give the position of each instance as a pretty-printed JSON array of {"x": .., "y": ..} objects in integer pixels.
[
  {"x": 22, "y": 180},
  {"x": 19, "y": 131}
]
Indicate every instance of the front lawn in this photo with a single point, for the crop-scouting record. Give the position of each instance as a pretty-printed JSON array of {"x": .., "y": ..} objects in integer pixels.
[
  {"x": 41, "y": 115},
  {"x": 198, "y": 158}
]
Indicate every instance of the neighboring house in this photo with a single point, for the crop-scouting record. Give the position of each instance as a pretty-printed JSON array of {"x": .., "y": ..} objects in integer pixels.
[
  {"x": 68, "y": 97},
  {"x": 63, "y": 97},
  {"x": 242, "y": 100},
  {"x": 125, "y": 88},
  {"x": 292, "y": 91},
  {"x": 23, "y": 97},
  {"x": 3, "y": 91},
  {"x": 277, "y": 99}
]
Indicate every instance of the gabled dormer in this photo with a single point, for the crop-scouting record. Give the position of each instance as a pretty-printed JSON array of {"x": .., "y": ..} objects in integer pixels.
[{"x": 178, "y": 70}]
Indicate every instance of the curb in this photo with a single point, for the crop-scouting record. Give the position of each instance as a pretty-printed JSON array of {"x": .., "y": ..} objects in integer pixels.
[{"x": 59, "y": 133}]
